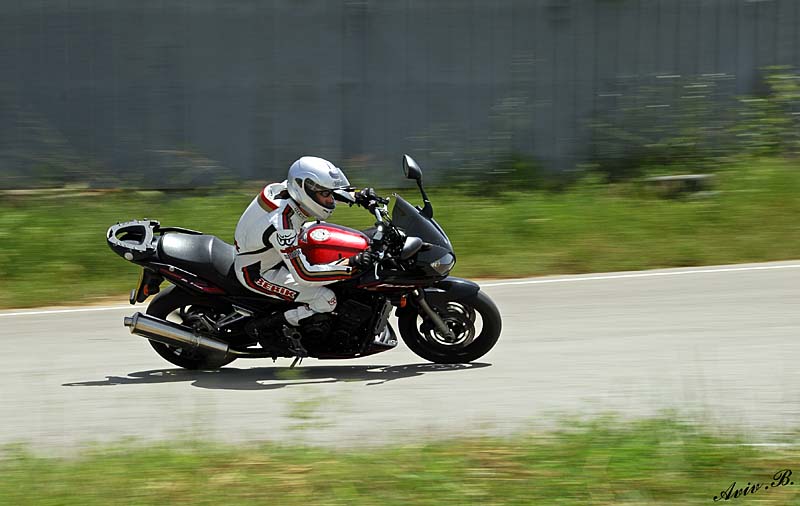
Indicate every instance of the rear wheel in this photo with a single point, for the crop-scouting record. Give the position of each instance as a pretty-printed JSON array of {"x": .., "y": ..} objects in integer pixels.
[
  {"x": 181, "y": 307},
  {"x": 474, "y": 321}
]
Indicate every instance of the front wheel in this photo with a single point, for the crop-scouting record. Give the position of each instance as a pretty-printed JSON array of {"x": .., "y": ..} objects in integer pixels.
[{"x": 474, "y": 321}]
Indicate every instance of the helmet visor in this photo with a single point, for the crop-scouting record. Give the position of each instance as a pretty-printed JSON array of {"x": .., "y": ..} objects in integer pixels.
[{"x": 320, "y": 194}]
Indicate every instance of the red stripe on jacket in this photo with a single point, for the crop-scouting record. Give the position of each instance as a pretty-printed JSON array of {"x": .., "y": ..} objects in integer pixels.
[{"x": 266, "y": 203}]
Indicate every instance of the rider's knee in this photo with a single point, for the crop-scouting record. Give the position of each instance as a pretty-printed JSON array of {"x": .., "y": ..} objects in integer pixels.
[{"x": 325, "y": 302}]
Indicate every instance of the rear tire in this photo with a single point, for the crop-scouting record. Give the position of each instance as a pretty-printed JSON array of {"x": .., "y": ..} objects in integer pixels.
[
  {"x": 461, "y": 317},
  {"x": 169, "y": 305}
]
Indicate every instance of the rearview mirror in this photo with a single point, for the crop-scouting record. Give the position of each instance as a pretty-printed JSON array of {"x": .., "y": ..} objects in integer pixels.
[
  {"x": 411, "y": 247},
  {"x": 411, "y": 169}
]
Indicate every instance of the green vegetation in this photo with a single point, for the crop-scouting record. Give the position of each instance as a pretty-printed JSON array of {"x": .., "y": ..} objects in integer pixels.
[
  {"x": 53, "y": 250},
  {"x": 665, "y": 123},
  {"x": 505, "y": 214},
  {"x": 602, "y": 462},
  {"x": 693, "y": 122}
]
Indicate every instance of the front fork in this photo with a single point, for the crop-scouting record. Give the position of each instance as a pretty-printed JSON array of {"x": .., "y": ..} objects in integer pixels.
[{"x": 441, "y": 326}]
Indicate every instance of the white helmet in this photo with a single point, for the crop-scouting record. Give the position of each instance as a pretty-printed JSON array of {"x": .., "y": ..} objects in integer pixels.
[{"x": 309, "y": 175}]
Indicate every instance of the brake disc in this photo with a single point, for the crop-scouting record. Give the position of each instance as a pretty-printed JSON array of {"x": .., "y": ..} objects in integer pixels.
[{"x": 459, "y": 319}]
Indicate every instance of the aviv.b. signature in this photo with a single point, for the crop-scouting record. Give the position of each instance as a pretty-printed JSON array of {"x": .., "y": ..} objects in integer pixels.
[{"x": 780, "y": 479}]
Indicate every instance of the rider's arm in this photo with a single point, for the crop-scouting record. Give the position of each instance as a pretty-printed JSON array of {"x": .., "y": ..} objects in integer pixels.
[{"x": 304, "y": 272}]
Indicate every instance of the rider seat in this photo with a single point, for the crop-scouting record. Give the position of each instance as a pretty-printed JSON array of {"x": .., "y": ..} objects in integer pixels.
[{"x": 206, "y": 256}]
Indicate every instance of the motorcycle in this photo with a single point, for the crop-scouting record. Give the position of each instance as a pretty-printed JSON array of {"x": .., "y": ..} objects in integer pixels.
[{"x": 200, "y": 321}]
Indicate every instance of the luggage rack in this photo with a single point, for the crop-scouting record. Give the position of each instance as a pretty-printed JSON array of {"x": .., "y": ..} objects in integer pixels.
[{"x": 136, "y": 240}]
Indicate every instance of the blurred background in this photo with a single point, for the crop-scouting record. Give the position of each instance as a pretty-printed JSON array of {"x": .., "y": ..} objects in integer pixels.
[{"x": 178, "y": 93}]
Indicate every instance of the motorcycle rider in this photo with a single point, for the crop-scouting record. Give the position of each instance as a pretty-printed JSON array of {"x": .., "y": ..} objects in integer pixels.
[{"x": 269, "y": 260}]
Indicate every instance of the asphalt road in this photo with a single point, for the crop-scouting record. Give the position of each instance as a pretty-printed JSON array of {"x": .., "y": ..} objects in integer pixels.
[{"x": 720, "y": 345}]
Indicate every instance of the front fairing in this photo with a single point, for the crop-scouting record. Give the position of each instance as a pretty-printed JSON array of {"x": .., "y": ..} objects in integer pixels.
[{"x": 409, "y": 219}]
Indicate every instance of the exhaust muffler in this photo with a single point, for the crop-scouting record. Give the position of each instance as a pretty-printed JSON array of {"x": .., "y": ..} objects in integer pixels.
[{"x": 174, "y": 334}]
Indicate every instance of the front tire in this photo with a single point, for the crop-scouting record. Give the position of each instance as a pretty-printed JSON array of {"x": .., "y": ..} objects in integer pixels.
[
  {"x": 179, "y": 306},
  {"x": 475, "y": 321}
]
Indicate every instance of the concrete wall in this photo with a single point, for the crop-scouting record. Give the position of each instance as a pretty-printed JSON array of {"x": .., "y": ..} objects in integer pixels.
[{"x": 181, "y": 92}]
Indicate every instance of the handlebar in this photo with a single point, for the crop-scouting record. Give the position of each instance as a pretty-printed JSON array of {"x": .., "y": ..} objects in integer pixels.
[
  {"x": 386, "y": 238},
  {"x": 379, "y": 224},
  {"x": 377, "y": 206},
  {"x": 367, "y": 198}
]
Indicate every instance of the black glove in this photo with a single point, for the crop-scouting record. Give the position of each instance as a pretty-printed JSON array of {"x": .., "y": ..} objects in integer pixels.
[
  {"x": 366, "y": 197},
  {"x": 363, "y": 260}
]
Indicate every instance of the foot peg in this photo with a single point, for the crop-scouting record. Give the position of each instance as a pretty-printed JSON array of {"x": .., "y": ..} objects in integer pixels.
[{"x": 296, "y": 346}]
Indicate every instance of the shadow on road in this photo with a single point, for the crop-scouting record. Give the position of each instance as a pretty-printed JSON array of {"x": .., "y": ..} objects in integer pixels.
[{"x": 271, "y": 378}]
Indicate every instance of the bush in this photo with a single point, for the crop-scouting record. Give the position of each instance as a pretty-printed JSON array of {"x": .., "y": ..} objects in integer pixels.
[
  {"x": 690, "y": 124},
  {"x": 674, "y": 122},
  {"x": 770, "y": 124}
]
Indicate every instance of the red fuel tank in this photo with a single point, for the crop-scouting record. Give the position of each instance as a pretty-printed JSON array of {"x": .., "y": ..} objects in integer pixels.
[{"x": 324, "y": 243}]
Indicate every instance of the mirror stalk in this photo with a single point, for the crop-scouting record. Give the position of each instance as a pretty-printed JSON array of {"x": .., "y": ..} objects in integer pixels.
[{"x": 427, "y": 210}]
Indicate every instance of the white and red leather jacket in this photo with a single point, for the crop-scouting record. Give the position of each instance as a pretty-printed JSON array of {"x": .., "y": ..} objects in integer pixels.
[{"x": 267, "y": 236}]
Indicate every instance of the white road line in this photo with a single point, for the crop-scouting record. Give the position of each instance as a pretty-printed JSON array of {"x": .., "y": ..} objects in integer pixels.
[
  {"x": 641, "y": 275},
  {"x": 76, "y": 310},
  {"x": 574, "y": 279}
]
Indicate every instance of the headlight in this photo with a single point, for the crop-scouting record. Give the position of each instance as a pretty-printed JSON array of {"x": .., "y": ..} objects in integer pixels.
[{"x": 444, "y": 264}]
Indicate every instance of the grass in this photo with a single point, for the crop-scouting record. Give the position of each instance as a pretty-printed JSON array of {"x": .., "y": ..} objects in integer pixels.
[
  {"x": 659, "y": 461},
  {"x": 53, "y": 251}
]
